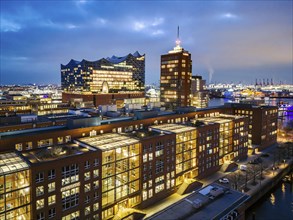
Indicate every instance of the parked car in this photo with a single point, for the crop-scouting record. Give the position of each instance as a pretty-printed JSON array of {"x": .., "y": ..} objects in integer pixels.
[
  {"x": 256, "y": 161},
  {"x": 243, "y": 167},
  {"x": 224, "y": 180}
]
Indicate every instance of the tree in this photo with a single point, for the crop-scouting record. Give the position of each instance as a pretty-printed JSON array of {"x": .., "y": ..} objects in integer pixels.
[
  {"x": 235, "y": 178},
  {"x": 253, "y": 172}
]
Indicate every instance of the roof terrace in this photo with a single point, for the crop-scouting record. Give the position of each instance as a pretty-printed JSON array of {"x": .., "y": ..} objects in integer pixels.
[{"x": 51, "y": 153}]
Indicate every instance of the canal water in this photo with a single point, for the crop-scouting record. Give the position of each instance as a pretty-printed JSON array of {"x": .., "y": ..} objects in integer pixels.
[
  {"x": 275, "y": 205},
  {"x": 278, "y": 203}
]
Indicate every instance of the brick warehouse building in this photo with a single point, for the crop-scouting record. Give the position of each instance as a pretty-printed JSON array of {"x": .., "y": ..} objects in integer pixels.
[{"x": 95, "y": 172}]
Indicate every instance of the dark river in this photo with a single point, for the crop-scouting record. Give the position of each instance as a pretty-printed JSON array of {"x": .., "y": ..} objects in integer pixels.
[
  {"x": 278, "y": 203},
  {"x": 275, "y": 205}
]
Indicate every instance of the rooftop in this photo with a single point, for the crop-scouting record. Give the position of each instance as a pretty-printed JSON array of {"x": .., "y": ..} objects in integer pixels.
[
  {"x": 201, "y": 205},
  {"x": 222, "y": 118},
  {"x": 174, "y": 128},
  {"x": 144, "y": 134},
  {"x": 11, "y": 163},
  {"x": 51, "y": 153},
  {"x": 112, "y": 60},
  {"x": 108, "y": 141}
]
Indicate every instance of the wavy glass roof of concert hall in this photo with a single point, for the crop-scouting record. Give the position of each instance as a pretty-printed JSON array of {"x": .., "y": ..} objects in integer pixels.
[
  {"x": 114, "y": 60},
  {"x": 108, "y": 141}
]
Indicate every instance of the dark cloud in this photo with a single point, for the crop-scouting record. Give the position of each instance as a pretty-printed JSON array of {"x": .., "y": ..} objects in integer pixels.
[{"x": 233, "y": 40}]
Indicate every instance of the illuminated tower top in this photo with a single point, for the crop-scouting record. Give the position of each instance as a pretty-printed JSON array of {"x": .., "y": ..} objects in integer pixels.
[{"x": 177, "y": 48}]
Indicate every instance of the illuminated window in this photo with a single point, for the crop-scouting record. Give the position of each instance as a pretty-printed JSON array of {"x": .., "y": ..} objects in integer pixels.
[
  {"x": 96, "y": 173},
  {"x": 70, "y": 198},
  {"x": 87, "y": 210},
  {"x": 29, "y": 145},
  {"x": 87, "y": 187},
  {"x": 40, "y": 203},
  {"x": 18, "y": 147},
  {"x": 51, "y": 187},
  {"x": 51, "y": 200},
  {"x": 150, "y": 193},
  {"x": 60, "y": 140},
  {"x": 40, "y": 190},
  {"x": 96, "y": 184},
  {"x": 96, "y": 206},
  {"x": 72, "y": 216},
  {"x": 144, "y": 195},
  {"x": 87, "y": 176},
  {"x": 67, "y": 139}
]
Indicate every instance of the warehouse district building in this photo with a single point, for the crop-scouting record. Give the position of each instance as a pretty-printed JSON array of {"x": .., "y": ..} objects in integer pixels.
[{"x": 98, "y": 172}]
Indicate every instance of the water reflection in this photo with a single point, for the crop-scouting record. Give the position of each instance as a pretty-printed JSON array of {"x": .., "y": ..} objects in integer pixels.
[
  {"x": 272, "y": 199},
  {"x": 283, "y": 189}
]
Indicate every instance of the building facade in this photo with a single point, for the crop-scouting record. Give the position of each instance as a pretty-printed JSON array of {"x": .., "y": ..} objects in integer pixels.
[
  {"x": 107, "y": 75},
  {"x": 199, "y": 94},
  {"x": 107, "y": 171},
  {"x": 175, "y": 81},
  {"x": 263, "y": 122}
]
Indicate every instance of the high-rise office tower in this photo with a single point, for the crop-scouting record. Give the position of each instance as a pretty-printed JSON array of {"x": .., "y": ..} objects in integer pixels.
[{"x": 175, "y": 82}]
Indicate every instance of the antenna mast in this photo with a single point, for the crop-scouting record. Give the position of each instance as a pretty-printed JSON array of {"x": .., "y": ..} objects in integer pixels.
[{"x": 178, "y": 40}]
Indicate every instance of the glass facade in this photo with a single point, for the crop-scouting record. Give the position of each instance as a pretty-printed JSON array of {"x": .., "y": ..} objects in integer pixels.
[
  {"x": 14, "y": 188},
  {"x": 120, "y": 173},
  {"x": 111, "y": 75}
]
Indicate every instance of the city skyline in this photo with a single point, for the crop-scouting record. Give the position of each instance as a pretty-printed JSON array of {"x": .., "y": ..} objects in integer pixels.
[{"x": 229, "y": 41}]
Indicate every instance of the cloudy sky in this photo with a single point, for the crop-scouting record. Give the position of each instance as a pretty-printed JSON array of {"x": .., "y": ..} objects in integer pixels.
[{"x": 230, "y": 41}]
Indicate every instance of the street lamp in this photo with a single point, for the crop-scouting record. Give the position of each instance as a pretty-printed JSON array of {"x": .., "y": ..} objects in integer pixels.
[{"x": 284, "y": 162}]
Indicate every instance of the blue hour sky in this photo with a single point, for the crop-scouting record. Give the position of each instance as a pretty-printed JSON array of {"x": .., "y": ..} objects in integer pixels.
[{"x": 230, "y": 41}]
